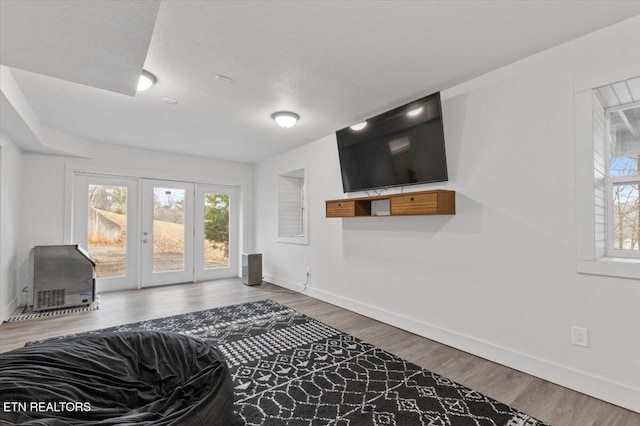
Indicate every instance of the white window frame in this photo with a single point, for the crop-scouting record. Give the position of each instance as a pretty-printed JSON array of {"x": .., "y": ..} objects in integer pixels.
[
  {"x": 303, "y": 237},
  {"x": 611, "y": 181},
  {"x": 587, "y": 262}
]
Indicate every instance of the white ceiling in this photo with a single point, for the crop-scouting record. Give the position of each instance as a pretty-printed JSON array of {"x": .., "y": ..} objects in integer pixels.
[
  {"x": 334, "y": 63},
  {"x": 97, "y": 43}
]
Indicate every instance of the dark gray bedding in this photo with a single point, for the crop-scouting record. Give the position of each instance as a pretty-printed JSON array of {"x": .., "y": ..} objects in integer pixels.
[{"x": 147, "y": 378}]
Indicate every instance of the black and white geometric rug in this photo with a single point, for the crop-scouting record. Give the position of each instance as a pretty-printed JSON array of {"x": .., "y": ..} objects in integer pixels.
[{"x": 289, "y": 369}]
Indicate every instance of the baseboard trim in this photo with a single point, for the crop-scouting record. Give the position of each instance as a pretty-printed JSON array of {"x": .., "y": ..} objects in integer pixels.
[
  {"x": 290, "y": 285},
  {"x": 615, "y": 393}
]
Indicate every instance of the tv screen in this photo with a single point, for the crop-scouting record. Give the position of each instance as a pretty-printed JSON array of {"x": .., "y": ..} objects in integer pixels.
[{"x": 404, "y": 146}]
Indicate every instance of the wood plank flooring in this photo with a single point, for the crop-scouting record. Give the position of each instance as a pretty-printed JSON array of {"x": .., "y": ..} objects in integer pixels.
[{"x": 546, "y": 401}]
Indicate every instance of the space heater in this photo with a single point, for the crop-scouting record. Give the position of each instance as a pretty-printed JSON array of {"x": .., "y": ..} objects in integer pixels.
[{"x": 63, "y": 276}]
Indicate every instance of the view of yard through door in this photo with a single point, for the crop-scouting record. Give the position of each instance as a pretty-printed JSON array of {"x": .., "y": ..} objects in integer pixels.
[
  {"x": 107, "y": 229},
  {"x": 216, "y": 230}
]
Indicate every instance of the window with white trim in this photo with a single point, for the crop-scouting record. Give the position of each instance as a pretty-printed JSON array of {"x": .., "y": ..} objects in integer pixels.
[
  {"x": 616, "y": 124},
  {"x": 292, "y": 212}
]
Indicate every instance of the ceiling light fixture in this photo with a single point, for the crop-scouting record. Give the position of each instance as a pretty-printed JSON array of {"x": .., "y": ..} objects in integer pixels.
[
  {"x": 146, "y": 81},
  {"x": 285, "y": 119},
  {"x": 359, "y": 126},
  {"x": 414, "y": 112}
]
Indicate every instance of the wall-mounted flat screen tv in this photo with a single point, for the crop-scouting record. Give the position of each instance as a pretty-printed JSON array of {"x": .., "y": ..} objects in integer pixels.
[{"x": 404, "y": 146}]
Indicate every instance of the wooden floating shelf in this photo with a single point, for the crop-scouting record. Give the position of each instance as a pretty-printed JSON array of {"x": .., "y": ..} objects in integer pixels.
[{"x": 438, "y": 201}]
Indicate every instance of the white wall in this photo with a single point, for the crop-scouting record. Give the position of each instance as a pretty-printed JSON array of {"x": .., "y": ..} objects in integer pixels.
[
  {"x": 10, "y": 194},
  {"x": 499, "y": 278},
  {"x": 43, "y": 183}
]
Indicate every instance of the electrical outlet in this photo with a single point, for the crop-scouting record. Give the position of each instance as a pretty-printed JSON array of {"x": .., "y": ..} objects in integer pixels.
[
  {"x": 579, "y": 336},
  {"x": 308, "y": 269}
]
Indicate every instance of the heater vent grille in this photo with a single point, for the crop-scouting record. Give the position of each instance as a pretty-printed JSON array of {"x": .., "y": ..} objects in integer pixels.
[{"x": 51, "y": 298}]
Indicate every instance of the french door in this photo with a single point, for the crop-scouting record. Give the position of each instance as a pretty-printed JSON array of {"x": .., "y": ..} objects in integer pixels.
[
  {"x": 147, "y": 232},
  {"x": 216, "y": 229},
  {"x": 105, "y": 222},
  {"x": 167, "y": 232}
]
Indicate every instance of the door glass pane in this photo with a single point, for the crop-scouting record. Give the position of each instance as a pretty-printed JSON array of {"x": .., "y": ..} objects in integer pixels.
[
  {"x": 216, "y": 230},
  {"x": 107, "y": 229},
  {"x": 626, "y": 216},
  {"x": 168, "y": 229}
]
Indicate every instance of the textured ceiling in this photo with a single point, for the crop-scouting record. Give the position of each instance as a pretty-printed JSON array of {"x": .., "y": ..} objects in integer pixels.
[
  {"x": 334, "y": 63},
  {"x": 97, "y": 43}
]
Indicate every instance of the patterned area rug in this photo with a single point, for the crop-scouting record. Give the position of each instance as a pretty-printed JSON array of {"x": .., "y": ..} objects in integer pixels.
[{"x": 289, "y": 369}]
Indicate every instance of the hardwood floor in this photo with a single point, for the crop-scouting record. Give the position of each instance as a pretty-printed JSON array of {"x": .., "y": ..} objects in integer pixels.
[{"x": 546, "y": 401}]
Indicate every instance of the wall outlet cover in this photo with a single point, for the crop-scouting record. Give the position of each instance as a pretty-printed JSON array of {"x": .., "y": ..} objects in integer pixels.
[{"x": 579, "y": 336}]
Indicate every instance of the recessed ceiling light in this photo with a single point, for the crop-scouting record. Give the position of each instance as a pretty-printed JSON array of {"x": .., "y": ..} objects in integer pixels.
[
  {"x": 359, "y": 126},
  {"x": 169, "y": 101},
  {"x": 414, "y": 112},
  {"x": 285, "y": 119},
  {"x": 146, "y": 81}
]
